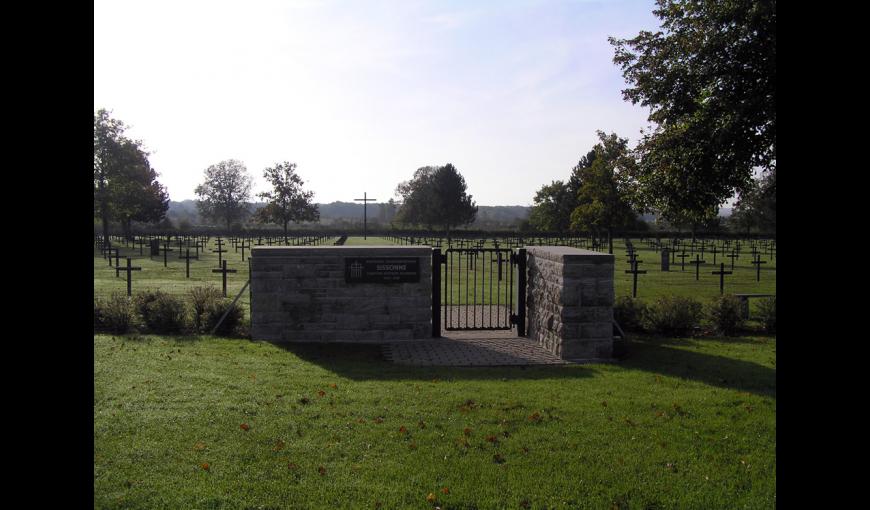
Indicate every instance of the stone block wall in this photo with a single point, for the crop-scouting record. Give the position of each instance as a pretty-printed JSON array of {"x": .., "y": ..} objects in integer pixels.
[
  {"x": 299, "y": 294},
  {"x": 569, "y": 301}
]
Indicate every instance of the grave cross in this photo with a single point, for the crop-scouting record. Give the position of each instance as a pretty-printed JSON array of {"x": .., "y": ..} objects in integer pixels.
[
  {"x": 722, "y": 272},
  {"x": 697, "y": 262},
  {"x": 365, "y": 202},
  {"x": 244, "y": 245},
  {"x": 733, "y": 255},
  {"x": 187, "y": 258},
  {"x": 165, "y": 250},
  {"x": 757, "y": 263},
  {"x": 130, "y": 270},
  {"x": 715, "y": 251},
  {"x": 224, "y": 272},
  {"x": 683, "y": 256},
  {"x": 220, "y": 250},
  {"x": 634, "y": 272}
]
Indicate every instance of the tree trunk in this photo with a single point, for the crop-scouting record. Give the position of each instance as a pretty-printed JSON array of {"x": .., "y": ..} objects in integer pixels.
[
  {"x": 610, "y": 240},
  {"x": 126, "y": 224},
  {"x": 285, "y": 232}
]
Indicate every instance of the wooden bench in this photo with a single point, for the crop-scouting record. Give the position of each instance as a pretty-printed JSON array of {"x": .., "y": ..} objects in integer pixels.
[{"x": 744, "y": 301}]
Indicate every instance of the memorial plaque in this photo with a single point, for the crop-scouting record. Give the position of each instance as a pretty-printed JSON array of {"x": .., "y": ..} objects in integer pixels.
[{"x": 381, "y": 269}]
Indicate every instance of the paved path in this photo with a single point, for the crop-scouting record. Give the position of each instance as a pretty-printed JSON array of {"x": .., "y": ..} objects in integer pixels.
[{"x": 471, "y": 348}]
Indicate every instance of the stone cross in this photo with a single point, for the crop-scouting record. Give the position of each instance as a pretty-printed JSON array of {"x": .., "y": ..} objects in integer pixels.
[{"x": 722, "y": 272}]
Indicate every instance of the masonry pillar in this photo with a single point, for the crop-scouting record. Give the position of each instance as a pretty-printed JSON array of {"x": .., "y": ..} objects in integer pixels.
[{"x": 569, "y": 303}]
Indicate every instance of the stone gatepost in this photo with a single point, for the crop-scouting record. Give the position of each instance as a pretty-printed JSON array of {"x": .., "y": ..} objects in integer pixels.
[
  {"x": 366, "y": 294},
  {"x": 569, "y": 303}
]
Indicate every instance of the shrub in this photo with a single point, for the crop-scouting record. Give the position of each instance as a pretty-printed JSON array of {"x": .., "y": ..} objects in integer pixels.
[
  {"x": 726, "y": 314},
  {"x": 231, "y": 322},
  {"x": 98, "y": 313},
  {"x": 767, "y": 314},
  {"x": 117, "y": 313},
  {"x": 672, "y": 315},
  {"x": 629, "y": 312},
  {"x": 161, "y": 312},
  {"x": 202, "y": 299}
]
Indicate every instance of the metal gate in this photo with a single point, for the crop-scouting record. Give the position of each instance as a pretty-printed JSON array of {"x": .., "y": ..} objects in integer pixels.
[{"x": 476, "y": 289}]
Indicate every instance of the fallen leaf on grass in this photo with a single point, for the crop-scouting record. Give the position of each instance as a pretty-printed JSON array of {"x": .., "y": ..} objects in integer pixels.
[
  {"x": 422, "y": 424},
  {"x": 379, "y": 420},
  {"x": 244, "y": 426},
  {"x": 320, "y": 393},
  {"x": 467, "y": 431},
  {"x": 205, "y": 466},
  {"x": 403, "y": 430},
  {"x": 279, "y": 445},
  {"x": 292, "y": 466},
  {"x": 445, "y": 490},
  {"x": 492, "y": 439},
  {"x": 535, "y": 417},
  {"x": 322, "y": 471},
  {"x": 333, "y": 386},
  {"x": 199, "y": 446}
]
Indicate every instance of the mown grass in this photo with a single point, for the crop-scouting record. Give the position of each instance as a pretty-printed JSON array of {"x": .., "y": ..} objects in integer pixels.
[{"x": 680, "y": 423}]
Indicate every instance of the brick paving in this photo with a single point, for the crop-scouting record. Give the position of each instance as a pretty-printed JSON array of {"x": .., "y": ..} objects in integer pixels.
[{"x": 471, "y": 348}]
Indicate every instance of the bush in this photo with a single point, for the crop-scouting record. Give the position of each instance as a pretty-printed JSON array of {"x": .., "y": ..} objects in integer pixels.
[
  {"x": 203, "y": 299},
  {"x": 161, "y": 312},
  {"x": 230, "y": 323},
  {"x": 673, "y": 315},
  {"x": 98, "y": 314},
  {"x": 628, "y": 313},
  {"x": 116, "y": 313},
  {"x": 767, "y": 314},
  {"x": 726, "y": 314}
]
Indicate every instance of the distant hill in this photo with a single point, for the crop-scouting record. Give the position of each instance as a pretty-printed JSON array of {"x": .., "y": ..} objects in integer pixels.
[{"x": 350, "y": 213}]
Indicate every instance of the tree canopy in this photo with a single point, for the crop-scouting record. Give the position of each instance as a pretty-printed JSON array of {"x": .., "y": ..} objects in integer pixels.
[
  {"x": 287, "y": 201},
  {"x": 224, "y": 194},
  {"x": 125, "y": 186},
  {"x": 709, "y": 79},
  {"x": 436, "y": 196}
]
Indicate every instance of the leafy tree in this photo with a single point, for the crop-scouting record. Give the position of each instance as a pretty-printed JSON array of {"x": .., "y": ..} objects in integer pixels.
[
  {"x": 225, "y": 191},
  {"x": 125, "y": 186},
  {"x": 756, "y": 207},
  {"x": 709, "y": 78},
  {"x": 287, "y": 201},
  {"x": 436, "y": 196},
  {"x": 552, "y": 210},
  {"x": 607, "y": 196}
]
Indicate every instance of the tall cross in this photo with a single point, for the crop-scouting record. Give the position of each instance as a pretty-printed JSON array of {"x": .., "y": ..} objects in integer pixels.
[
  {"x": 757, "y": 263},
  {"x": 187, "y": 258},
  {"x": 365, "y": 202},
  {"x": 697, "y": 262}
]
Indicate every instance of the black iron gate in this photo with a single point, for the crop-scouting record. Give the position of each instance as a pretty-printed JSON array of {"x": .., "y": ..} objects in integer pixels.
[{"x": 478, "y": 289}]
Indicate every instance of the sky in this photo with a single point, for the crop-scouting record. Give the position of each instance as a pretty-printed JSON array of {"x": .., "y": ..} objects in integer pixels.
[{"x": 360, "y": 94}]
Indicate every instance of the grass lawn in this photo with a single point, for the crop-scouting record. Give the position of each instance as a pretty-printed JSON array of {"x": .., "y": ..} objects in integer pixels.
[{"x": 680, "y": 423}]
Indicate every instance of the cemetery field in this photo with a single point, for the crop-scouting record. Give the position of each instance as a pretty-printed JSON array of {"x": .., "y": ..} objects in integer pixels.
[
  {"x": 679, "y": 281},
  {"x": 204, "y": 422}
]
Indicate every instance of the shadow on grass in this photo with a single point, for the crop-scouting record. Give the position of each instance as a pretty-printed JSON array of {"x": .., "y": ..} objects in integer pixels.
[
  {"x": 655, "y": 355},
  {"x": 366, "y": 362}
]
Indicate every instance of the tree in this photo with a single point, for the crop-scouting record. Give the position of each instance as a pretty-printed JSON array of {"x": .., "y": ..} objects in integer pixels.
[
  {"x": 225, "y": 191},
  {"x": 608, "y": 197},
  {"x": 287, "y": 201},
  {"x": 552, "y": 210},
  {"x": 709, "y": 79},
  {"x": 756, "y": 207},
  {"x": 125, "y": 186},
  {"x": 436, "y": 196}
]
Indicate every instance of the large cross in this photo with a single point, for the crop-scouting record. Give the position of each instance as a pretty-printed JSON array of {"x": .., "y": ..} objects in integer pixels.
[
  {"x": 220, "y": 250},
  {"x": 365, "y": 202},
  {"x": 697, "y": 262},
  {"x": 187, "y": 258},
  {"x": 757, "y": 263}
]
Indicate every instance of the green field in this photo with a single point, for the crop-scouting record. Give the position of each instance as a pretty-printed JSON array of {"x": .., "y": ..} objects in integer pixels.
[
  {"x": 680, "y": 423},
  {"x": 653, "y": 284}
]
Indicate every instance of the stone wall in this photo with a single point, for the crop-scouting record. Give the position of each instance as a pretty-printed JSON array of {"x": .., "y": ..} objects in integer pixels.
[
  {"x": 299, "y": 294},
  {"x": 569, "y": 301}
]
